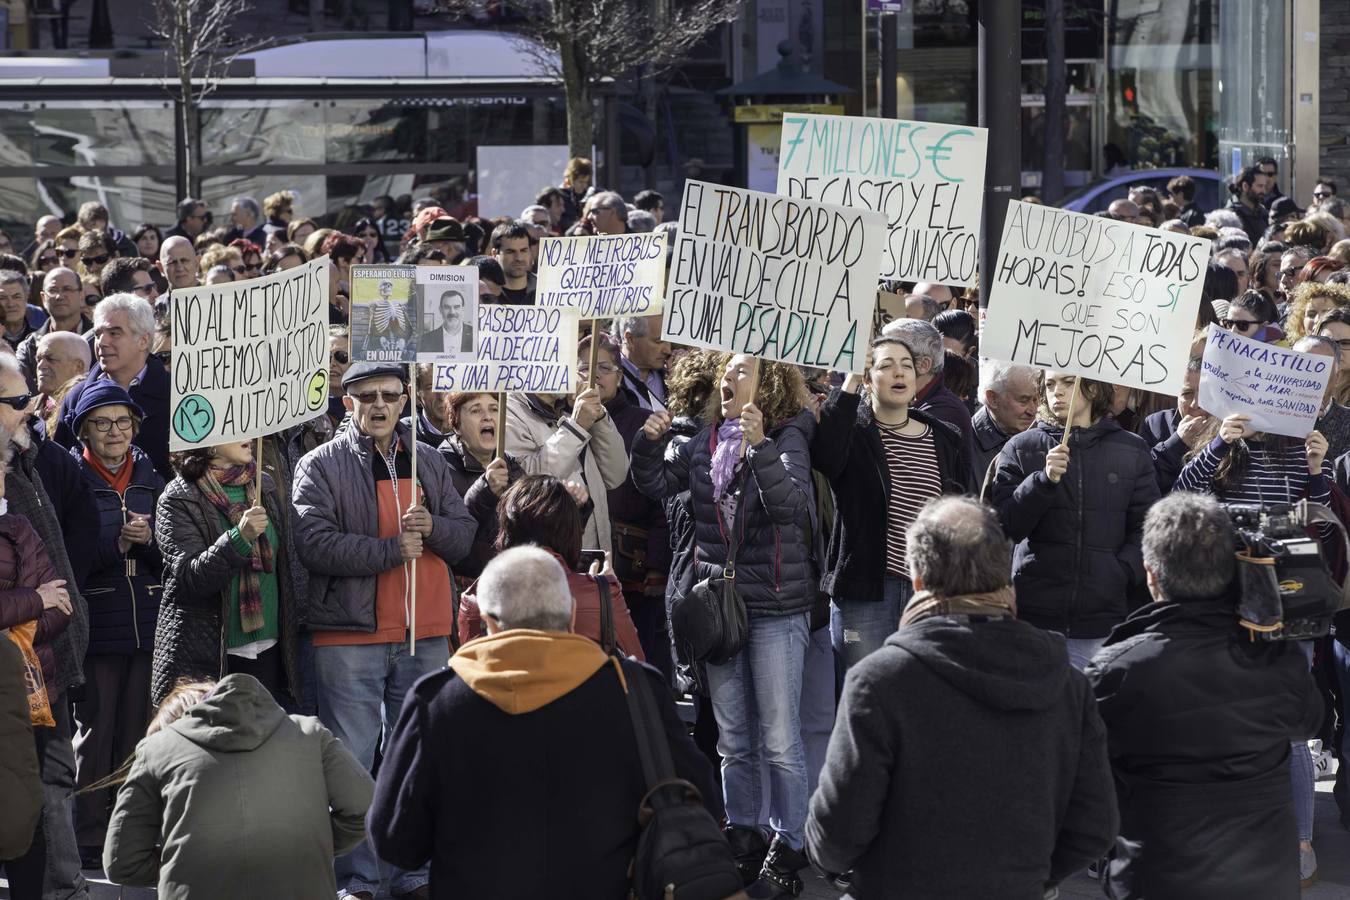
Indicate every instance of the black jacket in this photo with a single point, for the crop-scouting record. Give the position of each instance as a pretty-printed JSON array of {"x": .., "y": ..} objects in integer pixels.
[
  {"x": 1199, "y": 720},
  {"x": 1078, "y": 567},
  {"x": 466, "y": 473},
  {"x": 967, "y": 761},
  {"x": 1253, "y": 220},
  {"x": 200, "y": 561},
  {"x": 989, "y": 440},
  {"x": 775, "y": 572},
  {"x": 151, "y": 395},
  {"x": 1165, "y": 446},
  {"x": 562, "y": 825},
  {"x": 847, "y": 450},
  {"x": 122, "y": 589}
]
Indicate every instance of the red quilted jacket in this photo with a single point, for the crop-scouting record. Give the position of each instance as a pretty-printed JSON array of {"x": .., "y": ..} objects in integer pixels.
[{"x": 24, "y": 565}]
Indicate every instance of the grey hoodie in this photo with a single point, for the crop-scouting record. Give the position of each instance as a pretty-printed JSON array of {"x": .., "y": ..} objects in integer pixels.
[
  {"x": 967, "y": 760},
  {"x": 237, "y": 799}
]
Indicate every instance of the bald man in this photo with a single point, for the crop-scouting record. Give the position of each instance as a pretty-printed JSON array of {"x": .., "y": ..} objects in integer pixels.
[
  {"x": 61, "y": 356},
  {"x": 178, "y": 262},
  {"x": 45, "y": 230}
]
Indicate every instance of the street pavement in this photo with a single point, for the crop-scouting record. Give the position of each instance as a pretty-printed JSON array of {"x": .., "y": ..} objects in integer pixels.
[{"x": 1332, "y": 842}]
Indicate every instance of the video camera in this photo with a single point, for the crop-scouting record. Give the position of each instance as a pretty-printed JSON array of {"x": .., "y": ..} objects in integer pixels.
[{"x": 1288, "y": 593}]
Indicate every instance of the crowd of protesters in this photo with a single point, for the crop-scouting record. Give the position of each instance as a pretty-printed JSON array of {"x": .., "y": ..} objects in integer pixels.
[{"x": 934, "y": 557}]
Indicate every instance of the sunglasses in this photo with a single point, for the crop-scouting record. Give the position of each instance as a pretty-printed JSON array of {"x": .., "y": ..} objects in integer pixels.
[
  {"x": 145, "y": 290},
  {"x": 389, "y": 397},
  {"x": 1322, "y": 195},
  {"x": 1239, "y": 325},
  {"x": 18, "y": 401},
  {"x": 95, "y": 260},
  {"x": 341, "y": 357},
  {"x": 239, "y": 270},
  {"x": 48, "y": 260},
  {"x": 68, "y": 254}
]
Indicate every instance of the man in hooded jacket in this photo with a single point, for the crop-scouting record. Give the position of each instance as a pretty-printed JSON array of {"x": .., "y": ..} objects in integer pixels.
[{"x": 968, "y": 759}]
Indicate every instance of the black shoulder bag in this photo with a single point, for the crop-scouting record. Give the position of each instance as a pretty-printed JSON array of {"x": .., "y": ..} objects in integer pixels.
[
  {"x": 709, "y": 621},
  {"x": 608, "y": 642},
  {"x": 681, "y": 852}
]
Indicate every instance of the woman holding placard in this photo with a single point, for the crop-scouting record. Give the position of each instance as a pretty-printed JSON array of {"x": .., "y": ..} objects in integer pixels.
[
  {"x": 1075, "y": 504},
  {"x": 748, "y": 475}
]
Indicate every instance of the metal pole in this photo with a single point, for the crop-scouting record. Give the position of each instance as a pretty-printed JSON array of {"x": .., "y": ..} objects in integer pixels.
[
  {"x": 889, "y": 65},
  {"x": 1000, "y": 110}
]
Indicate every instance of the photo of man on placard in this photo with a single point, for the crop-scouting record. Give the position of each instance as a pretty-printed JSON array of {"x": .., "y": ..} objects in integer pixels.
[{"x": 453, "y": 335}]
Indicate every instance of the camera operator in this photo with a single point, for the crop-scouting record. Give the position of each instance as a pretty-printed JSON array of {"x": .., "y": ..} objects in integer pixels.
[
  {"x": 1243, "y": 466},
  {"x": 1199, "y": 720}
]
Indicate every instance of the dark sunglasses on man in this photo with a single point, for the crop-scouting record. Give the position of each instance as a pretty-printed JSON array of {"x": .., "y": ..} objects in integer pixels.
[
  {"x": 95, "y": 260},
  {"x": 18, "y": 402},
  {"x": 341, "y": 357},
  {"x": 389, "y": 397}
]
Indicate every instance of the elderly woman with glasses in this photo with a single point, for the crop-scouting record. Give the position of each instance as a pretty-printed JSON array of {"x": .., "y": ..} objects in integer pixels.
[
  {"x": 229, "y": 603},
  {"x": 122, "y": 591}
]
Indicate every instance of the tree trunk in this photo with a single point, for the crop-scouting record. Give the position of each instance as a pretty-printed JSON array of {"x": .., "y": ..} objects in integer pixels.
[
  {"x": 1056, "y": 88},
  {"x": 580, "y": 109},
  {"x": 187, "y": 103}
]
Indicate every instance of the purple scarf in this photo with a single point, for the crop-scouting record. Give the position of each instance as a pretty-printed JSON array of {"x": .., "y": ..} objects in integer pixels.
[{"x": 726, "y": 455}]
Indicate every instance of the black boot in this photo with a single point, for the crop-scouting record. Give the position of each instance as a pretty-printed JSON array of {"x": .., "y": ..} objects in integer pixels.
[
  {"x": 778, "y": 878},
  {"x": 749, "y": 848}
]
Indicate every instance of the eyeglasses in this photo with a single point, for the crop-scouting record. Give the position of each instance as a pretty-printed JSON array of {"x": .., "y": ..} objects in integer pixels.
[
  {"x": 239, "y": 270},
  {"x": 601, "y": 369},
  {"x": 370, "y": 234},
  {"x": 103, "y": 426},
  {"x": 1322, "y": 195},
  {"x": 91, "y": 299},
  {"x": 95, "y": 260},
  {"x": 389, "y": 397},
  {"x": 45, "y": 260},
  {"x": 1344, "y": 344},
  {"x": 1290, "y": 273},
  {"x": 68, "y": 253},
  {"x": 18, "y": 401},
  {"x": 341, "y": 357},
  {"x": 68, "y": 289},
  {"x": 145, "y": 290},
  {"x": 1239, "y": 325}
]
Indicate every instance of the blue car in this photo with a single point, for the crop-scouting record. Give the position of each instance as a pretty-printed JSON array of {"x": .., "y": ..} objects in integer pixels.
[{"x": 1210, "y": 189}]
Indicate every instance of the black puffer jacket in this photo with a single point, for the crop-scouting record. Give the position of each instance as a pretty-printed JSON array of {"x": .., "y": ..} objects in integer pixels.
[
  {"x": 1199, "y": 721},
  {"x": 199, "y": 563},
  {"x": 122, "y": 589},
  {"x": 847, "y": 450},
  {"x": 774, "y": 571},
  {"x": 466, "y": 472},
  {"x": 1078, "y": 567}
]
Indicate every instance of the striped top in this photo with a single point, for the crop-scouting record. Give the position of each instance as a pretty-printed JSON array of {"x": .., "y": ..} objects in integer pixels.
[
  {"x": 912, "y": 465},
  {"x": 1272, "y": 477}
]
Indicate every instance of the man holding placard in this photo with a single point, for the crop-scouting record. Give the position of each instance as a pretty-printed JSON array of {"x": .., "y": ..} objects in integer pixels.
[{"x": 361, "y": 523}]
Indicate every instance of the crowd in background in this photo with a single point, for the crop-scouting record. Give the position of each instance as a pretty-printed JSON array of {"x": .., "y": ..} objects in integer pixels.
[{"x": 958, "y": 552}]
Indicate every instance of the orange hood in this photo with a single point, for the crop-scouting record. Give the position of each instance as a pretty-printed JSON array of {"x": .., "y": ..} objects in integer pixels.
[{"x": 521, "y": 670}]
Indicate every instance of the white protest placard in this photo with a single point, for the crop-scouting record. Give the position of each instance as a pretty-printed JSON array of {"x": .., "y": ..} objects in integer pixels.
[
  {"x": 448, "y": 304},
  {"x": 1094, "y": 297},
  {"x": 783, "y": 279},
  {"x": 519, "y": 348},
  {"x": 249, "y": 358},
  {"x": 604, "y": 275},
  {"x": 928, "y": 180},
  {"x": 1280, "y": 389}
]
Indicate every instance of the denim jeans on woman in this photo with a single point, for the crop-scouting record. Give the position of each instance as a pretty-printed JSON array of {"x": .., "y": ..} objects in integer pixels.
[
  {"x": 1302, "y": 775},
  {"x": 860, "y": 625},
  {"x": 756, "y": 698}
]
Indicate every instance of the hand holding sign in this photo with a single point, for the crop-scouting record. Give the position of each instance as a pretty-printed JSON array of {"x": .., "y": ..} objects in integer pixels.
[
  {"x": 1315, "y": 445},
  {"x": 1236, "y": 426},
  {"x": 1057, "y": 462},
  {"x": 253, "y": 523},
  {"x": 657, "y": 424}
]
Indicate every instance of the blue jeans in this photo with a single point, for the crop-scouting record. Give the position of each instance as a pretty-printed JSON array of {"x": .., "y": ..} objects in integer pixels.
[
  {"x": 857, "y": 627},
  {"x": 361, "y": 688},
  {"x": 1081, "y": 650},
  {"x": 817, "y": 711},
  {"x": 757, "y": 699}
]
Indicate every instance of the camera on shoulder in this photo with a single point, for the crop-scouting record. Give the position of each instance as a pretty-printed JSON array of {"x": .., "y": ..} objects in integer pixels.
[{"x": 1287, "y": 590}]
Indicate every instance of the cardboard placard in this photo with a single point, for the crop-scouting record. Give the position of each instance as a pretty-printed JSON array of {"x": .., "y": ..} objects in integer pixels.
[
  {"x": 447, "y": 297},
  {"x": 777, "y": 278},
  {"x": 249, "y": 358},
  {"x": 1094, "y": 297},
  {"x": 1280, "y": 389},
  {"x": 519, "y": 348},
  {"x": 928, "y": 180},
  {"x": 605, "y": 275},
  {"x": 384, "y": 319}
]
